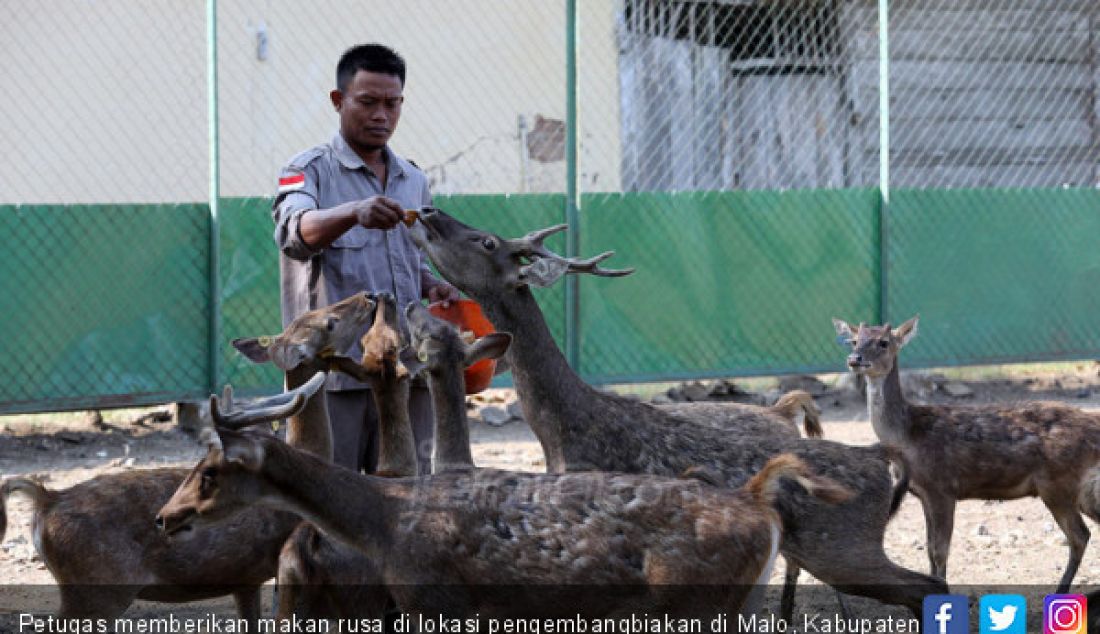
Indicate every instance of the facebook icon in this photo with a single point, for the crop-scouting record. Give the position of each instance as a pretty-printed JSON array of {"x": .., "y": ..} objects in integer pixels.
[{"x": 945, "y": 614}]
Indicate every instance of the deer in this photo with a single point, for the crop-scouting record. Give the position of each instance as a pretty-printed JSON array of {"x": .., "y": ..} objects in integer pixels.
[
  {"x": 442, "y": 354},
  {"x": 320, "y": 577},
  {"x": 987, "y": 452},
  {"x": 323, "y": 577},
  {"x": 446, "y": 543},
  {"x": 96, "y": 539},
  {"x": 581, "y": 428},
  {"x": 781, "y": 418}
]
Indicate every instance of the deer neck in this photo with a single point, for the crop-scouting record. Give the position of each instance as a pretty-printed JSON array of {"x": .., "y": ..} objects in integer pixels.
[
  {"x": 355, "y": 508},
  {"x": 553, "y": 397},
  {"x": 887, "y": 406},
  {"x": 397, "y": 448},
  {"x": 452, "y": 431},
  {"x": 309, "y": 429}
]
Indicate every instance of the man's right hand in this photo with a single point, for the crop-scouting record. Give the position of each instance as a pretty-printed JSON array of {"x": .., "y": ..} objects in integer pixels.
[{"x": 379, "y": 212}]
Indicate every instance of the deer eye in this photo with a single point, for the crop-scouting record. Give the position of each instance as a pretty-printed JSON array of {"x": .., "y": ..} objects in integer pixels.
[
  {"x": 207, "y": 478},
  {"x": 331, "y": 325},
  {"x": 488, "y": 243},
  {"x": 882, "y": 343}
]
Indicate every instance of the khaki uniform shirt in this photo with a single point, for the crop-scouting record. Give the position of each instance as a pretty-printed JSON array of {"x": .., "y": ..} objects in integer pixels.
[{"x": 359, "y": 260}]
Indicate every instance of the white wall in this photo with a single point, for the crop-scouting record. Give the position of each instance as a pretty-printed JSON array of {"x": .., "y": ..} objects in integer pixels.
[{"x": 111, "y": 96}]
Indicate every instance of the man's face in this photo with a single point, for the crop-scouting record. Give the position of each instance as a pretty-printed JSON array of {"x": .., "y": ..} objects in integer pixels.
[{"x": 369, "y": 109}]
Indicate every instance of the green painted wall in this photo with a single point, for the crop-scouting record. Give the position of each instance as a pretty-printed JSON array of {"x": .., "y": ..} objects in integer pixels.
[
  {"x": 728, "y": 283},
  {"x": 996, "y": 275},
  {"x": 102, "y": 304},
  {"x": 107, "y": 305}
]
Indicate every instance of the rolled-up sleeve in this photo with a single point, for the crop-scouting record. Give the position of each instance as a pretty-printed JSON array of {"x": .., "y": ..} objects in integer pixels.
[{"x": 293, "y": 200}]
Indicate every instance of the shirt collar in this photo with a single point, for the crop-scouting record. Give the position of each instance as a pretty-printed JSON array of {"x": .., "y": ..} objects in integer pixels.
[{"x": 349, "y": 159}]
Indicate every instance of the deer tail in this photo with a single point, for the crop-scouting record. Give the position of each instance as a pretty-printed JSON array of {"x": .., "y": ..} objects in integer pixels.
[
  {"x": 1088, "y": 493},
  {"x": 901, "y": 484},
  {"x": 800, "y": 403},
  {"x": 764, "y": 486},
  {"x": 39, "y": 495}
]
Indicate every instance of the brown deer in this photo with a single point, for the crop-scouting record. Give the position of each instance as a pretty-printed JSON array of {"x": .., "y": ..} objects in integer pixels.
[
  {"x": 97, "y": 539},
  {"x": 448, "y": 542},
  {"x": 781, "y": 418},
  {"x": 581, "y": 428},
  {"x": 990, "y": 452},
  {"x": 320, "y": 577},
  {"x": 444, "y": 354}
]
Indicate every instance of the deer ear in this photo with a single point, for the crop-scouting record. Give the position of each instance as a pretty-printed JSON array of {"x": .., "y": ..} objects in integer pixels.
[
  {"x": 845, "y": 333},
  {"x": 491, "y": 346},
  {"x": 254, "y": 348},
  {"x": 286, "y": 357},
  {"x": 542, "y": 272},
  {"x": 410, "y": 358},
  {"x": 243, "y": 451},
  {"x": 905, "y": 332},
  {"x": 209, "y": 437}
]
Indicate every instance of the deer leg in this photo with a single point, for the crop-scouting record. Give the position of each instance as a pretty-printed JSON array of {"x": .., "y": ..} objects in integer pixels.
[
  {"x": 88, "y": 601},
  {"x": 869, "y": 573},
  {"x": 939, "y": 522},
  {"x": 790, "y": 584},
  {"x": 249, "y": 605},
  {"x": 1077, "y": 534},
  {"x": 842, "y": 606}
]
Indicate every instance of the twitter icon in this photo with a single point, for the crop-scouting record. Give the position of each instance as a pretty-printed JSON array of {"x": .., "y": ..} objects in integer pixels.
[{"x": 1002, "y": 614}]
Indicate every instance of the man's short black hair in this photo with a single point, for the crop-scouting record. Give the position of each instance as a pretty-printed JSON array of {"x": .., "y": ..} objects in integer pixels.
[{"x": 373, "y": 58}]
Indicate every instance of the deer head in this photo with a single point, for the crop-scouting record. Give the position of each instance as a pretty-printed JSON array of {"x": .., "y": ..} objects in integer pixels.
[
  {"x": 440, "y": 347},
  {"x": 313, "y": 336},
  {"x": 225, "y": 481},
  {"x": 874, "y": 348},
  {"x": 215, "y": 489},
  {"x": 481, "y": 263},
  {"x": 383, "y": 343}
]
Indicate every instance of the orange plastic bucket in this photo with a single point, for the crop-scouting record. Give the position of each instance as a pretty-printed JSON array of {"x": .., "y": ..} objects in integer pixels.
[{"x": 467, "y": 315}]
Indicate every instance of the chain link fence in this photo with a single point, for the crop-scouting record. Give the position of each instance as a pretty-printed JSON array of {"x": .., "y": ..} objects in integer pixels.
[{"x": 745, "y": 155}]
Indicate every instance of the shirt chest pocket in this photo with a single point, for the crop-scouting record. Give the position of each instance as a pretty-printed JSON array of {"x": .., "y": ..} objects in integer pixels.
[{"x": 357, "y": 260}]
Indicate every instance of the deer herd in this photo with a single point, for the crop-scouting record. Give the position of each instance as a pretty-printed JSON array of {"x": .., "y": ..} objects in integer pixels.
[{"x": 637, "y": 498}]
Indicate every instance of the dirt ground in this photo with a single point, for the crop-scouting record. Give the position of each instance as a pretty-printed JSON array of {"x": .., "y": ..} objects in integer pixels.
[{"x": 994, "y": 542}]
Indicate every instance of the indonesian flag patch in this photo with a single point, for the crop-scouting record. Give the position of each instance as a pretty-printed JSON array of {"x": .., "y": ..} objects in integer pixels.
[{"x": 291, "y": 183}]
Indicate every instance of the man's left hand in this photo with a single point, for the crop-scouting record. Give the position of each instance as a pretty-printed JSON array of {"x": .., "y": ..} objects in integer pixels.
[{"x": 443, "y": 292}]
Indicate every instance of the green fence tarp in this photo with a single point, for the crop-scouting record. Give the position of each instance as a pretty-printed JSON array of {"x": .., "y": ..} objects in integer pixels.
[
  {"x": 996, "y": 275},
  {"x": 727, "y": 283},
  {"x": 103, "y": 304}
]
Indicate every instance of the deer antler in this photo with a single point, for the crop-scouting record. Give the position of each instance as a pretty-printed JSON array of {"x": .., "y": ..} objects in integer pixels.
[
  {"x": 548, "y": 266},
  {"x": 267, "y": 410}
]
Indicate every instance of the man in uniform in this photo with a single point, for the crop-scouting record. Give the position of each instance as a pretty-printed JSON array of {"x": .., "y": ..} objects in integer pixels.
[{"x": 338, "y": 227}]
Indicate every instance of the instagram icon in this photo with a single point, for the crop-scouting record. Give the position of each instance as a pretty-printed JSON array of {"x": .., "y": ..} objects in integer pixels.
[{"x": 1065, "y": 614}]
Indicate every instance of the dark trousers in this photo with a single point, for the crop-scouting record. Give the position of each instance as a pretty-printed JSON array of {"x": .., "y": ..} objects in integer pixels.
[{"x": 355, "y": 435}]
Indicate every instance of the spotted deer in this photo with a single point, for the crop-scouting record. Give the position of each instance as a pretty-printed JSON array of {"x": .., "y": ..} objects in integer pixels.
[
  {"x": 98, "y": 541},
  {"x": 988, "y": 452},
  {"x": 449, "y": 542},
  {"x": 581, "y": 428}
]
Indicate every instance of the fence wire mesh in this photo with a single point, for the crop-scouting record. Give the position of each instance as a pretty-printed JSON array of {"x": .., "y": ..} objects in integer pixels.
[
  {"x": 106, "y": 103},
  {"x": 994, "y": 94},
  {"x": 730, "y": 149},
  {"x": 743, "y": 95}
]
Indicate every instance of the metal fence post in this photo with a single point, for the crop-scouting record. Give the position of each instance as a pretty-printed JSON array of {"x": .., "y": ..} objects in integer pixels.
[
  {"x": 215, "y": 192},
  {"x": 884, "y": 153},
  {"x": 572, "y": 203}
]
